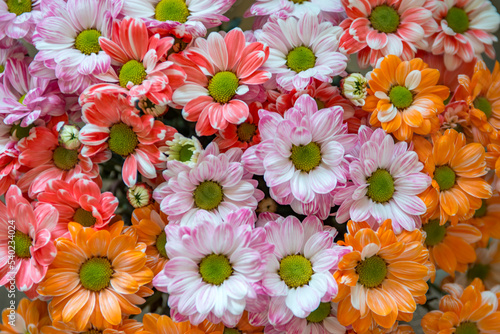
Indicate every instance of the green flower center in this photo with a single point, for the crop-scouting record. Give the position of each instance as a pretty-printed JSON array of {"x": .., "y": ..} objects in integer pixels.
[
  {"x": 445, "y": 177},
  {"x": 299, "y": 1},
  {"x": 222, "y": 87},
  {"x": 321, "y": 313},
  {"x": 295, "y": 270},
  {"x": 479, "y": 270},
  {"x": 95, "y": 273},
  {"x": 65, "y": 159},
  {"x": 161, "y": 241},
  {"x": 21, "y": 99},
  {"x": 21, "y": 131},
  {"x": 484, "y": 105},
  {"x": 385, "y": 19},
  {"x": 215, "y": 269},
  {"x": 435, "y": 232},
  {"x": 133, "y": 71},
  {"x": 482, "y": 211},
  {"x": 372, "y": 271},
  {"x": 380, "y": 186},
  {"x": 172, "y": 10},
  {"x": 246, "y": 131},
  {"x": 401, "y": 97},
  {"x": 84, "y": 217},
  {"x": 457, "y": 20},
  {"x": 300, "y": 59},
  {"x": 88, "y": 41},
  {"x": 306, "y": 158},
  {"x": 231, "y": 331},
  {"x": 186, "y": 152},
  {"x": 208, "y": 195},
  {"x": 122, "y": 139},
  {"x": 22, "y": 243},
  {"x": 19, "y": 7},
  {"x": 467, "y": 328}
]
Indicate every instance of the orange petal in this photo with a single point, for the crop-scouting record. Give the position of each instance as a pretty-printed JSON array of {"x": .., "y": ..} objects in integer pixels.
[
  {"x": 469, "y": 156},
  {"x": 408, "y": 270},
  {"x": 98, "y": 243},
  {"x": 448, "y": 202},
  {"x": 445, "y": 258},
  {"x": 110, "y": 308},
  {"x": 380, "y": 302},
  {"x": 476, "y": 187},
  {"x": 401, "y": 295},
  {"x": 75, "y": 304}
]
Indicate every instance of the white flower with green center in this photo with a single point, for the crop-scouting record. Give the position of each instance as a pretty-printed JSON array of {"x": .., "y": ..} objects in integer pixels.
[
  {"x": 322, "y": 320},
  {"x": 182, "y": 149},
  {"x": 297, "y": 277},
  {"x": 354, "y": 88},
  {"x": 140, "y": 195},
  {"x": 218, "y": 262}
]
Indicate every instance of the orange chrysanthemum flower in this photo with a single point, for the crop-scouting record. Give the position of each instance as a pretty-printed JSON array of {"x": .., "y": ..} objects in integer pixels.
[
  {"x": 464, "y": 311},
  {"x": 451, "y": 247},
  {"x": 457, "y": 169},
  {"x": 383, "y": 278},
  {"x": 149, "y": 223},
  {"x": 127, "y": 326},
  {"x": 97, "y": 276},
  {"x": 404, "y": 97},
  {"x": 161, "y": 324},
  {"x": 29, "y": 317},
  {"x": 482, "y": 94},
  {"x": 487, "y": 219},
  {"x": 396, "y": 329}
]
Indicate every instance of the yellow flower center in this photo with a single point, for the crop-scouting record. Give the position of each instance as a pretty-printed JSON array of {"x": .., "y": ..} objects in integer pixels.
[
  {"x": 484, "y": 105},
  {"x": 385, "y": 19},
  {"x": 19, "y": 7},
  {"x": 401, "y": 97},
  {"x": 84, "y": 217},
  {"x": 172, "y": 10},
  {"x": 295, "y": 270},
  {"x": 482, "y": 211},
  {"x": 161, "y": 241},
  {"x": 445, "y": 177},
  {"x": 88, "y": 41},
  {"x": 215, "y": 269},
  {"x": 65, "y": 159},
  {"x": 20, "y": 131},
  {"x": 307, "y": 157},
  {"x": 186, "y": 152},
  {"x": 22, "y": 244},
  {"x": 95, "y": 273},
  {"x": 320, "y": 314},
  {"x": 122, "y": 139},
  {"x": 222, "y": 87},
  {"x": 467, "y": 328},
  {"x": 372, "y": 271},
  {"x": 208, "y": 195},
  {"x": 435, "y": 232},
  {"x": 132, "y": 71},
  {"x": 300, "y": 59},
  {"x": 457, "y": 20},
  {"x": 246, "y": 131},
  {"x": 380, "y": 186}
]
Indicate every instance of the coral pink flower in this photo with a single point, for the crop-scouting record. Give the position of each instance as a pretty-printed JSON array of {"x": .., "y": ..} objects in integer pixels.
[
  {"x": 143, "y": 75},
  {"x": 30, "y": 233},
  {"x": 465, "y": 30},
  {"x": 113, "y": 126},
  {"x": 10, "y": 168},
  {"x": 222, "y": 80},
  {"x": 377, "y": 28},
  {"x": 81, "y": 201}
]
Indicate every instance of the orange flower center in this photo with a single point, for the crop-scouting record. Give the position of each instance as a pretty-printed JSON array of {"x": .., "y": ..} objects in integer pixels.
[
  {"x": 208, "y": 195},
  {"x": 445, "y": 177},
  {"x": 371, "y": 271},
  {"x": 457, "y": 20},
  {"x": 320, "y": 314},
  {"x": 22, "y": 244},
  {"x": 65, "y": 159},
  {"x": 401, "y": 97},
  {"x": 482, "y": 211},
  {"x": 467, "y": 328},
  {"x": 161, "y": 241},
  {"x": 484, "y": 105},
  {"x": 384, "y": 19},
  {"x": 246, "y": 131},
  {"x": 122, "y": 139},
  {"x": 95, "y": 273},
  {"x": 435, "y": 232},
  {"x": 295, "y": 270},
  {"x": 84, "y": 217}
]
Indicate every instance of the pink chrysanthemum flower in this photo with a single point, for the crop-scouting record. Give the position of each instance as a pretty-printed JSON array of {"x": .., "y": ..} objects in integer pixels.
[
  {"x": 302, "y": 155},
  {"x": 24, "y": 98},
  {"x": 113, "y": 126},
  {"x": 377, "y": 28},
  {"x": 216, "y": 185},
  {"x": 294, "y": 8},
  {"x": 302, "y": 50},
  {"x": 17, "y": 50},
  {"x": 222, "y": 80},
  {"x": 81, "y": 201},
  {"x": 298, "y": 276},
  {"x": 142, "y": 76},
  {"x": 386, "y": 181},
  {"x": 31, "y": 234},
  {"x": 68, "y": 42},
  {"x": 465, "y": 30},
  {"x": 193, "y": 16},
  {"x": 18, "y": 19},
  {"x": 218, "y": 262}
]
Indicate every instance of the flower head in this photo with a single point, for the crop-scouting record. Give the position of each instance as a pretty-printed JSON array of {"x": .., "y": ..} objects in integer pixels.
[
  {"x": 185, "y": 150},
  {"x": 297, "y": 8},
  {"x": 17, "y": 50},
  {"x": 18, "y": 19},
  {"x": 354, "y": 88},
  {"x": 486, "y": 267},
  {"x": 140, "y": 195},
  {"x": 29, "y": 314}
]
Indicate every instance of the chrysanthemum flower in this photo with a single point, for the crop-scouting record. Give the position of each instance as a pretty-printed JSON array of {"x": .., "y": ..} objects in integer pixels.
[
  {"x": 96, "y": 277},
  {"x": 10, "y": 168},
  {"x": 185, "y": 150},
  {"x": 25, "y": 98},
  {"x": 456, "y": 169},
  {"x": 18, "y": 19},
  {"x": 80, "y": 201},
  {"x": 354, "y": 88},
  {"x": 113, "y": 126},
  {"x": 17, "y": 51},
  {"x": 383, "y": 278},
  {"x": 451, "y": 247},
  {"x": 297, "y": 8},
  {"x": 162, "y": 324},
  {"x": 386, "y": 179},
  {"x": 301, "y": 50},
  {"x": 298, "y": 275},
  {"x": 302, "y": 155},
  {"x": 218, "y": 262},
  {"x": 464, "y": 310},
  {"x": 29, "y": 231},
  {"x": 127, "y": 326},
  {"x": 487, "y": 219},
  {"x": 142, "y": 76},
  {"x": 140, "y": 195},
  {"x": 465, "y": 30},
  {"x": 376, "y": 29},
  {"x": 30, "y": 317},
  {"x": 223, "y": 77},
  {"x": 404, "y": 97},
  {"x": 456, "y": 117},
  {"x": 216, "y": 185}
]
